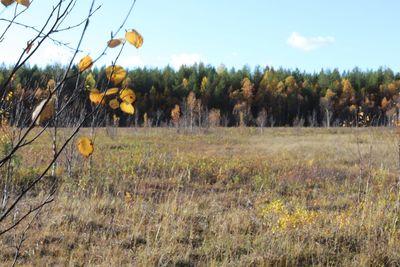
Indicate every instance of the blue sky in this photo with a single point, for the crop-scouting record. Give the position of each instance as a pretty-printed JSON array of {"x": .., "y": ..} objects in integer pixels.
[{"x": 308, "y": 34}]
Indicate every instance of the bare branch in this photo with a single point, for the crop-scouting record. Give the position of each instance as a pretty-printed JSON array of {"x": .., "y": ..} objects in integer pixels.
[
  {"x": 29, "y": 212},
  {"x": 16, "y": 15},
  {"x": 23, "y": 238}
]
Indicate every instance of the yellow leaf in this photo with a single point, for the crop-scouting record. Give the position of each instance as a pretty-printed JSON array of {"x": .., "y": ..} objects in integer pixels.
[
  {"x": 134, "y": 38},
  {"x": 96, "y": 97},
  {"x": 115, "y": 74},
  {"x": 85, "y": 146},
  {"x": 127, "y": 95},
  {"x": 127, "y": 108},
  {"x": 85, "y": 63},
  {"x": 114, "y": 103},
  {"x": 25, "y": 3},
  {"x": 7, "y": 2},
  {"x": 111, "y": 91},
  {"x": 126, "y": 82},
  {"x": 115, "y": 42},
  {"x": 46, "y": 113}
]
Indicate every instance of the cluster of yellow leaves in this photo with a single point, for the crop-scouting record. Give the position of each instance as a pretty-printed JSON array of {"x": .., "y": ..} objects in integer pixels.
[
  {"x": 25, "y": 3},
  {"x": 278, "y": 216},
  {"x": 275, "y": 207},
  {"x": 297, "y": 219},
  {"x": 132, "y": 36},
  {"x": 96, "y": 97},
  {"x": 116, "y": 75},
  {"x": 116, "y": 97},
  {"x": 123, "y": 100}
]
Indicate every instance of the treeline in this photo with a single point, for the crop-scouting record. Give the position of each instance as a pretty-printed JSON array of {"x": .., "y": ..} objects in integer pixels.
[{"x": 207, "y": 95}]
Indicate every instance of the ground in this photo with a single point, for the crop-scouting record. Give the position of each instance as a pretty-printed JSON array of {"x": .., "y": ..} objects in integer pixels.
[{"x": 216, "y": 197}]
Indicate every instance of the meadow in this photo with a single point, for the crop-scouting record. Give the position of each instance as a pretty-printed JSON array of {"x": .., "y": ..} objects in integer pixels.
[{"x": 216, "y": 197}]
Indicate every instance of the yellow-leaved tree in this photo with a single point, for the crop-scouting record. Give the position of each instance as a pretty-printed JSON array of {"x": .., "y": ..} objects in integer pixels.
[
  {"x": 175, "y": 116},
  {"x": 191, "y": 105},
  {"x": 54, "y": 106}
]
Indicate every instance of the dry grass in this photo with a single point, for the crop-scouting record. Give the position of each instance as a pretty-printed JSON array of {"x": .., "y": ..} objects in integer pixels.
[{"x": 226, "y": 197}]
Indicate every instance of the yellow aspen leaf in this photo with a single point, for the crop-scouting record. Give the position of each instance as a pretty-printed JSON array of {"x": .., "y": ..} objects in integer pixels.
[
  {"x": 7, "y": 2},
  {"x": 127, "y": 108},
  {"x": 126, "y": 82},
  {"x": 25, "y": 3},
  {"x": 114, "y": 103},
  {"x": 85, "y": 63},
  {"x": 45, "y": 114},
  {"x": 127, "y": 95},
  {"x": 115, "y": 42},
  {"x": 85, "y": 146},
  {"x": 96, "y": 97},
  {"x": 115, "y": 74},
  {"x": 134, "y": 38},
  {"x": 90, "y": 82},
  {"x": 111, "y": 91}
]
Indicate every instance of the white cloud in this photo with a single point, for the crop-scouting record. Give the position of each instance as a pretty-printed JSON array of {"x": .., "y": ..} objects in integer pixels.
[
  {"x": 185, "y": 59},
  {"x": 309, "y": 43},
  {"x": 47, "y": 54},
  {"x": 51, "y": 54}
]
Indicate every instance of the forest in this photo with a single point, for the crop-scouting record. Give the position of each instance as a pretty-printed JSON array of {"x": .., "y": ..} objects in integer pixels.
[{"x": 217, "y": 96}]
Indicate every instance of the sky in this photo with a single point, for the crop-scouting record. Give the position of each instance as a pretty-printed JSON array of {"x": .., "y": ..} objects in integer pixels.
[{"x": 308, "y": 34}]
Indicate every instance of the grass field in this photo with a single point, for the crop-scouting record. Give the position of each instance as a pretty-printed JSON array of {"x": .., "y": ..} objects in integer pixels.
[{"x": 222, "y": 197}]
